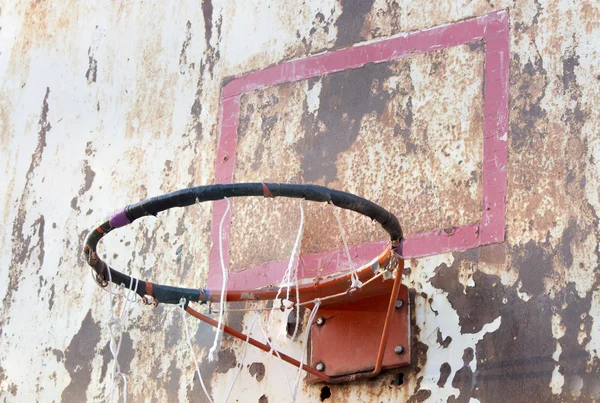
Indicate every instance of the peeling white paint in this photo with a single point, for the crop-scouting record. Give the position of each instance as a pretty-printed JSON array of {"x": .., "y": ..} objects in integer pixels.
[
  {"x": 558, "y": 380},
  {"x": 522, "y": 294},
  {"x": 593, "y": 346},
  {"x": 558, "y": 331},
  {"x": 447, "y": 322}
]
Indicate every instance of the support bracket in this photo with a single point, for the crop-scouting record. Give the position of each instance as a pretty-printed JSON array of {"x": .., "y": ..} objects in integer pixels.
[{"x": 347, "y": 340}]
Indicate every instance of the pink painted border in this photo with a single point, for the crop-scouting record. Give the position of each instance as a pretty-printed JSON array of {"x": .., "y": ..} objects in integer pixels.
[{"x": 493, "y": 28}]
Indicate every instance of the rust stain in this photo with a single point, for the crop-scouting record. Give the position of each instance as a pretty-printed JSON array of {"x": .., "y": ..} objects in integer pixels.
[
  {"x": 592, "y": 17},
  {"x": 5, "y": 130}
]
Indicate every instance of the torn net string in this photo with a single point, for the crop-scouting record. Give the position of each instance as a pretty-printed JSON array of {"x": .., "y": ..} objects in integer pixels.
[
  {"x": 311, "y": 318},
  {"x": 290, "y": 278},
  {"x": 274, "y": 350},
  {"x": 312, "y": 301},
  {"x": 291, "y": 273},
  {"x": 219, "y": 333},
  {"x": 182, "y": 304},
  {"x": 294, "y": 392},
  {"x": 116, "y": 325},
  {"x": 295, "y": 254},
  {"x": 213, "y": 310},
  {"x": 241, "y": 365},
  {"x": 355, "y": 280}
]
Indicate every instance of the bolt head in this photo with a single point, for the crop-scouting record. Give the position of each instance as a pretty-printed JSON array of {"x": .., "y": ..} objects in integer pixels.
[
  {"x": 399, "y": 303},
  {"x": 320, "y": 321},
  {"x": 399, "y": 349},
  {"x": 320, "y": 367}
]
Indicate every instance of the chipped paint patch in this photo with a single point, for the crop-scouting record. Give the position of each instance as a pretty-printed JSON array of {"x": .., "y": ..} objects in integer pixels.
[
  {"x": 593, "y": 345},
  {"x": 435, "y": 300}
]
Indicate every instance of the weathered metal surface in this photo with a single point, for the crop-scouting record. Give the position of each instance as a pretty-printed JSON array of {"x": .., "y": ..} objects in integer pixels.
[
  {"x": 352, "y": 90},
  {"x": 385, "y": 108},
  {"x": 124, "y": 101}
]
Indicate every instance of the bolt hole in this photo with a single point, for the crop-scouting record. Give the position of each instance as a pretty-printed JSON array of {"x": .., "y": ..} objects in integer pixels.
[
  {"x": 291, "y": 322},
  {"x": 325, "y": 393},
  {"x": 398, "y": 379}
]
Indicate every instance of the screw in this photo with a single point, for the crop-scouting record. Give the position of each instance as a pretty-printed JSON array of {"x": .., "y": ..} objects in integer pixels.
[
  {"x": 398, "y": 349},
  {"x": 320, "y": 321},
  {"x": 399, "y": 303},
  {"x": 320, "y": 367}
]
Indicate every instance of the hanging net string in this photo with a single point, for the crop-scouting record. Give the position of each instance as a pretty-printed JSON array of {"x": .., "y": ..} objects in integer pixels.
[
  {"x": 274, "y": 350},
  {"x": 241, "y": 365},
  {"x": 295, "y": 254},
  {"x": 116, "y": 325},
  {"x": 304, "y": 303},
  {"x": 219, "y": 333},
  {"x": 216, "y": 310},
  {"x": 166, "y": 294},
  {"x": 291, "y": 273},
  {"x": 314, "y": 301},
  {"x": 182, "y": 304},
  {"x": 355, "y": 280},
  {"x": 311, "y": 318}
]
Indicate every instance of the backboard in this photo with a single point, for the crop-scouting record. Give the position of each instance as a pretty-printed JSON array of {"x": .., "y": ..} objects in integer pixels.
[{"x": 416, "y": 123}]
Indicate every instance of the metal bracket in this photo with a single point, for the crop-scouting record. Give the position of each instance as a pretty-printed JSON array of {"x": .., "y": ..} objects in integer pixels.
[{"x": 348, "y": 341}]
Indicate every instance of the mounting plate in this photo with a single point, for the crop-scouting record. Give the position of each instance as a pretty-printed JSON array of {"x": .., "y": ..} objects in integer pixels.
[{"x": 345, "y": 337}]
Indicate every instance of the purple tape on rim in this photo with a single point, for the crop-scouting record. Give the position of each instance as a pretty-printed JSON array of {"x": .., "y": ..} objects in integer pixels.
[
  {"x": 119, "y": 219},
  {"x": 400, "y": 248}
]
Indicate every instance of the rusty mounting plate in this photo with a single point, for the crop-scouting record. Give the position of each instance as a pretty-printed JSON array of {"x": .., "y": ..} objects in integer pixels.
[{"x": 345, "y": 337}]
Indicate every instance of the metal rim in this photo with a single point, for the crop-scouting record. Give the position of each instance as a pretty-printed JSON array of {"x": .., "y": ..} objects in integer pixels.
[{"x": 319, "y": 287}]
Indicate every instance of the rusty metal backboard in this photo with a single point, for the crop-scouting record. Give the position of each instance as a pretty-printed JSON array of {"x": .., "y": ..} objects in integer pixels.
[{"x": 438, "y": 148}]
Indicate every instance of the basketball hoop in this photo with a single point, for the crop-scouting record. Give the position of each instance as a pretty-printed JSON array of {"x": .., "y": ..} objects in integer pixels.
[{"x": 347, "y": 292}]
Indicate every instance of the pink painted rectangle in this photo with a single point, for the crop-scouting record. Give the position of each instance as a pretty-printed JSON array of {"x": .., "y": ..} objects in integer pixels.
[
  {"x": 498, "y": 74},
  {"x": 493, "y": 28},
  {"x": 394, "y": 48},
  {"x": 496, "y": 60},
  {"x": 495, "y": 100},
  {"x": 496, "y": 23},
  {"x": 494, "y": 124},
  {"x": 492, "y": 224},
  {"x": 460, "y": 33},
  {"x": 466, "y": 237},
  {"x": 423, "y": 41},
  {"x": 496, "y": 41}
]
